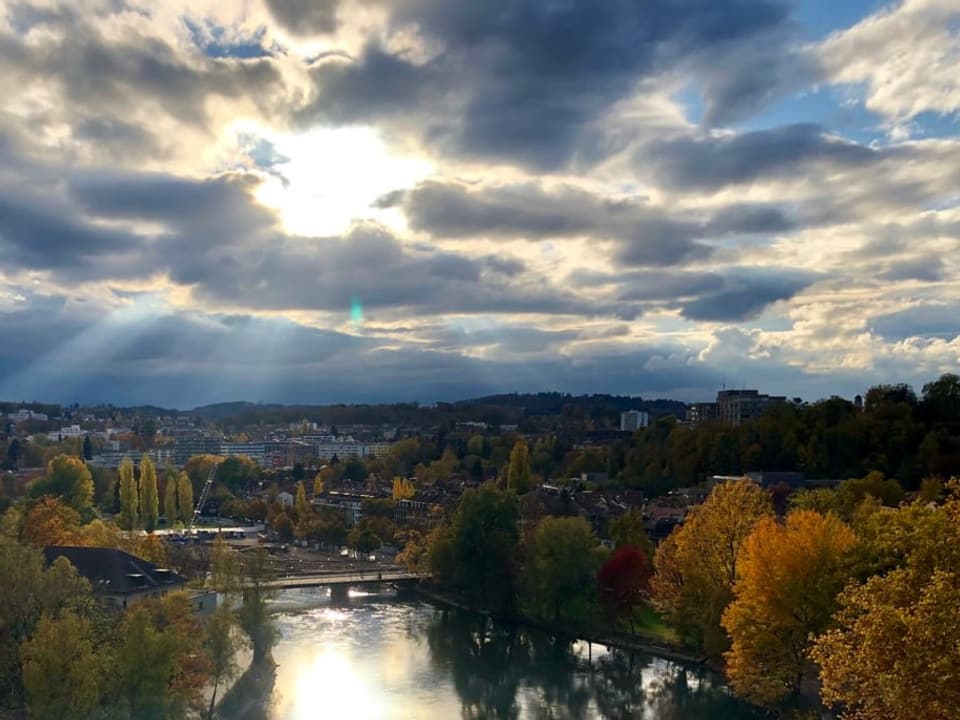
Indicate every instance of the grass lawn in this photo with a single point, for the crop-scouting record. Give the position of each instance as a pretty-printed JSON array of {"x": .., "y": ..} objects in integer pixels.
[{"x": 648, "y": 624}]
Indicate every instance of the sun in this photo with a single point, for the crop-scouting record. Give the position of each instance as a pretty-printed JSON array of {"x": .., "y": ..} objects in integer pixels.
[{"x": 319, "y": 182}]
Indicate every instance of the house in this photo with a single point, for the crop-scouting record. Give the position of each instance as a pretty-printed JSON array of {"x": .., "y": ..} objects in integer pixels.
[
  {"x": 117, "y": 577},
  {"x": 285, "y": 499}
]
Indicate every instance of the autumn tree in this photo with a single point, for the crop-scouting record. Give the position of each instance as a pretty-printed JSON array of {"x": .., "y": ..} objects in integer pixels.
[
  {"x": 562, "y": 559},
  {"x": 149, "y": 499},
  {"x": 50, "y": 521},
  {"x": 67, "y": 477},
  {"x": 300, "y": 505},
  {"x": 624, "y": 582},
  {"x": 129, "y": 497},
  {"x": 893, "y": 649},
  {"x": 254, "y": 612},
  {"x": 788, "y": 578},
  {"x": 519, "y": 474},
  {"x": 402, "y": 489},
  {"x": 61, "y": 668},
  {"x": 318, "y": 485},
  {"x": 697, "y": 566},
  {"x": 222, "y": 642},
  {"x": 185, "y": 497}
]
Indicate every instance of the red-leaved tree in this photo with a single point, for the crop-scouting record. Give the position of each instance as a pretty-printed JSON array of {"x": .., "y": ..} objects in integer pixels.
[{"x": 624, "y": 582}]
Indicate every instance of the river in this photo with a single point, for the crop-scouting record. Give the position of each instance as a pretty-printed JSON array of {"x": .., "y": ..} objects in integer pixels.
[{"x": 381, "y": 659}]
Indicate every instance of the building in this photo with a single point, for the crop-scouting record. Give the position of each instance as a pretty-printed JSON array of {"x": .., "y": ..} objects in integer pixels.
[
  {"x": 118, "y": 578},
  {"x": 633, "y": 420},
  {"x": 70, "y": 431},
  {"x": 735, "y": 407},
  {"x": 193, "y": 442},
  {"x": 285, "y": 499},
  {"x": 701, "y": 412},
  {"x": 24, "y": 415},
  {"x": 256, "y": 451}
]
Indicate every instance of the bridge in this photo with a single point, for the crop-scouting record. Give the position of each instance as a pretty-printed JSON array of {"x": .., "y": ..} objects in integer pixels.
[{"x": 344, "y": 580}]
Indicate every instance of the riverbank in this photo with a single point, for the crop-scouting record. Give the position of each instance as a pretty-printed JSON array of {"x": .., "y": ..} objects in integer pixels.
[{"x": 619, "y": 641}]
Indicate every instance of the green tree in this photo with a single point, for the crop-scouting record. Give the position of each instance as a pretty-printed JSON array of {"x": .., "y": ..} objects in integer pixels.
[
  {"x": 170, "y": 509},
  {"x": 363, "y": 539},
  {"x": 67, "y": 477},
  {"x": 185, "y": 497},
  {"x": 129, "y": 497},
  {"x": 484, "y": 538},
  {"x": 149, "y": 498},
  {"x": 519, "y": 474},
  {"x": 61, "y": 669},
  {"x": 630, "y": 529},
  {"x": 562, "y": 560},
  {"x": 225, "y": 568},
  {"x": 143, "y": 666}
]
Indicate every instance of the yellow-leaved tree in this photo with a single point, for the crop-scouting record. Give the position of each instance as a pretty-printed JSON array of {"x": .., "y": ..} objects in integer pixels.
[
  {"x": 895, "y": 650},
  {"x": 788, "y": 578},
  {"x": 402, "y": 489},
  {"x": 697, "y": 565}
]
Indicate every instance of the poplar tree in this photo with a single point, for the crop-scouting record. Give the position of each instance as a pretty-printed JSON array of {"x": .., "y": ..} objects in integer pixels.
[
  {"x": 518, "y": 472},
  {"x": 149, "y": 499},
  {"x": 185, "y": 497},
  {"x": 129, "y": 497},
  {"x": 170, "y": 509}
]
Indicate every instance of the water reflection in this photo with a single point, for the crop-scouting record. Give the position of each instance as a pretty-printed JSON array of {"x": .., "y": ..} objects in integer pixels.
[{"x": 388, "y": 660}]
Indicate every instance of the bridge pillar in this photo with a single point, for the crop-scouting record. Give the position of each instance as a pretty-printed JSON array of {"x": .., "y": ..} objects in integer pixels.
[{"x": 339, "y": 593}]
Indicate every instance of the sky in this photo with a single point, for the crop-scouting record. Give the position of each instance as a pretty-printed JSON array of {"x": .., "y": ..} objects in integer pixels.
[{"x": 396, "y": 200}]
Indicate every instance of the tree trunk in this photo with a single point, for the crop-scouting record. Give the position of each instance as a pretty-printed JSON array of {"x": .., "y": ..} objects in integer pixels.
[{"x": 213, "y": 697}]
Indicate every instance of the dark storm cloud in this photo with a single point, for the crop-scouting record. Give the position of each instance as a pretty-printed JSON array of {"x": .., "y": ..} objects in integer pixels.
[
  {"x": 222, "y": 204},
  {"x": 710, "y": 163},
  {"x": 39, "y": 233},
  {"x": 305, "y": 17},
  {"x": 101, "y": 75},
  {"x": 929, "y": 320},
  {"x": 642, "y": 235},
  {"x": 745, "y": 294},
  {"x": 522, "y": 81}
]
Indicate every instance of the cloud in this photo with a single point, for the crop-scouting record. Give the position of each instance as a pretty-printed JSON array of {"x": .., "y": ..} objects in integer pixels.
[
  {"x": 926, "y": 320},
  {"x": 305, "y": 17},
  {"x": 905, "y": 56},
  {"x": 744, "y": 295},
  {"x": 712, "y": 162},
  {"x": 524, "y": 84}
]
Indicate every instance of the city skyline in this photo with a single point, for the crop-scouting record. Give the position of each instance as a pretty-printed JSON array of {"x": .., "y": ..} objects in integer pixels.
[{"x": 381, "y": 201}]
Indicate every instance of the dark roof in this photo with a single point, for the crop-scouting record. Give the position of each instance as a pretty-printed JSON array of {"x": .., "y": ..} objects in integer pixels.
[{"x": 114, "y": 571}]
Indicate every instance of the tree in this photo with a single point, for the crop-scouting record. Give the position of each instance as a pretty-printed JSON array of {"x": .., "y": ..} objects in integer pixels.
[
  {"x": 224, "y": 568},
  {"x": 129, "y": 497},
  {"x": 149, "y": 499},
  {"x": 563, "y": 557},
  {"x": 893, "y": 654},
  {"x": 788, "y": 578},
  {"x": 254, "y": 613},
  {"x": 51, "y": 522},
  {"x": 222, "y": 644},
  {"x": 61, "y": 669},
  {"x": 363, "y": 539},
  {"x": 696, "y": 569},
  {"x": 318, "y": 485},
  {"x": 67, "y": 477},
  {"x": 143, "y": 667},
  {"x": 518, "y": 471},
  {"x": 941, "y": 399},
  {"x": 402, "y": 489},
  {"x": 484, "y": 540},
  {"x": 630, "y": 529},
  {"x": 624, "y": 582},
  {"x": 185, "y": 498},
  {"x": 87, "y": 448},
  {"x": 170, "y": 509},
  {"x": 894, "y": 645},
  {"x": 300, "y": 505}
]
